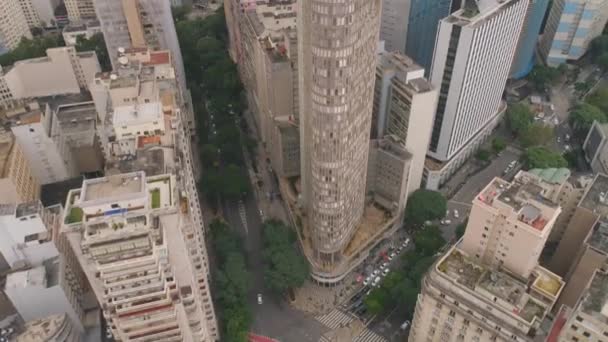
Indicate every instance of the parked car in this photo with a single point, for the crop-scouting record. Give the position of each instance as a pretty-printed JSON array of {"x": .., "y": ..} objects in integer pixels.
[
  {"x": 260, "y": 298},
  {"x": 456, "y": 214},
  {"x": 405, "y": 325}
]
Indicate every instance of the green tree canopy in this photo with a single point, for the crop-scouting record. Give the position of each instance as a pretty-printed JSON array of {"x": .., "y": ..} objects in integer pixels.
[
  {"x": 285, "y": 268},
  {"x": 537, "y": 134},
  {"x": 542, "y": 77},
  {"x": 498, "y": 144},
  {"x": 582, "y": 117},
  {"x": 428, "y": 240},
  {"x": 424, "y": 205},
  {"x": 31, "y": 48},
  {"x": 519, "y": 117},
  {"x": 542, "y": 158},
  {"x": 599, "y": 98}
]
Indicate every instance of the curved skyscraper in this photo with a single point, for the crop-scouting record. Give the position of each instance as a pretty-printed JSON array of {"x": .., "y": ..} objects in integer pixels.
[{"x": 337, "y": 56}]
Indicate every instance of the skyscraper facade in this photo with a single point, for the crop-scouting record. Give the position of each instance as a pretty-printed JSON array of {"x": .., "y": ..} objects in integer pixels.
[
  {"x": 571, "y": 26},
  {"x": 524, "y": 56},
  {"x": 410, "y": 27},
  {"x": 473, "y": 55},
  {"x": 337, "y": 58},
  {"x": 13, "y": 25},
  {"x": 422, "y": 29}
]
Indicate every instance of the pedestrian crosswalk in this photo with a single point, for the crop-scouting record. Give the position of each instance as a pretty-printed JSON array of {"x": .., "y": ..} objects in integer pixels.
[
  {"x": 369, "y": 336},
  {"x": 335, "y": 319}
]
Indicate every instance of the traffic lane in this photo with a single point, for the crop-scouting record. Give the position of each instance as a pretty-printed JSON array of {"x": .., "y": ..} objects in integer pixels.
[
  {"x": 448, "y": 231},
  {"x": 477, "y": 182}
]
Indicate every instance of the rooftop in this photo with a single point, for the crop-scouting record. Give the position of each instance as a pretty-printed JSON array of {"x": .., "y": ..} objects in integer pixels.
[
  {"x": 150, "y": 161},
  {"x": 28, "y": 208},
  {"x": 113, "y": 186},
  {"x": 552, "y": 175},
  {"x": 515, "y": 294},
  {"x": 596, "y": 197},
  {"x": 44, "y": 329},
  {"x": 594, "y": 301},
  {"x": 125, "y": 115},
  {"x": 406, "y": 70},
  {"x": 77, "y": 117}
]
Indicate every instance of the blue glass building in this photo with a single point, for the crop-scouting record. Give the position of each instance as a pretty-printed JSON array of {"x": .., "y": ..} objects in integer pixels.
[
  {"x": 422, "y": 29},
  {"x": 523, "y": 62}
]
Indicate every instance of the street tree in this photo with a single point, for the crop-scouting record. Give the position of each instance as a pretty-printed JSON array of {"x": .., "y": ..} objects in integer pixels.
[
  {"x": 583, "y": 116},
  {"x": 377, "y": 300},
  {"x": 519, "y": 117},
  {"x": 31, "y": 48},
  {"x": 424, "y": 205},
  {"x": 498, "y": 144},
  {"x": 540, "y": 157},
  {"x": 284, "y": 266},
  {"x": 537, "y": 134},
  {"x": 428, "y": 241},
  {"x": 542, "y": 77},
  {"x": 598, "y": 98}
]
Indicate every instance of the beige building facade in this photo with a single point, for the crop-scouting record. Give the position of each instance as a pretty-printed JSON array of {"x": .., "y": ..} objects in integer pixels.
[
  {"x": 404, "y": 107},
  {"x": 17, "y": 181},
  {"x": 80, "y": 10},
  {"x": 337, "y": 57},
  {"x": 489, "y": 286},
  {"x": 13, "y": 25}
]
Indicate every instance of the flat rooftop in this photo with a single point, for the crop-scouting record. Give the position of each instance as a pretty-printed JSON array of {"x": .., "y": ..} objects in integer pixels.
[
  {"x": 113, "y": 186},
  {"x": 28, "y": 208},
  {"x": 146, "y": 112},
  {"x": 596, "y": 197},
  {"x": 44, "y": 329},
  {"x": 407, "y": 70},
  {"x": 595, "y": 298},
  {"x": 514, "y": 294},
  {"x": 77, "y": 117}
]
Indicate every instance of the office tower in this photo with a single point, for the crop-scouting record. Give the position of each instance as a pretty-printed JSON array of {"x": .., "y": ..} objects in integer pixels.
[
  {"x": 595, "y": 147},
  {"x": 142, "y": 256},
  {"x": 13, "y": 25},
  {"x": 39, "y": 13},
  {"x": 404, "y": 105},
  {"x": 410, "y": 27},
  {"x": 54, "y": 328},
  {"x": 337, "y": 56},
  {"x": 524, "y": 59},
  {"x": 587, "y": 319},
  {"x": 473, "y": 56},
  {"x": 80, "y": 10},
  {"x": 17, "y": 181},
  {"x": 140, "y": 24},
  {"x": 571, "y": 26},
  {"x": 489, "y": 286}
]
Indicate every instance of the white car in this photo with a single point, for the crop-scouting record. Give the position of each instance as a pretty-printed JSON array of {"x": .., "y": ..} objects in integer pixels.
[
  {"x": 376, "y": 272},
  {"x": 260, "y": 298},
  {"x": 456, "y": 214},
  {"x": 447, "y": 213},
  {"x": 406, "y": 242},
  {"x": 446, "y": 222},
  {"x": 366, "y": 282},
  {"x": 385, "y": 265},
  {"x": 385, "y": 272}
]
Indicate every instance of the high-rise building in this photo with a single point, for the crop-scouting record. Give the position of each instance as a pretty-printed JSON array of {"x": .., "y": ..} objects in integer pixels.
[
  {"x": 80, "y": 10},
  {"x": 410, "y": 27},
  {"x": 570, "y": 28},
  {"x": 337, "y": 44},
  {"x": 140, "y": 24},
  {"x": 17, "y": 181},
  {"x": 473, "y": 56},
  {"x": 489, "y": 286},
  {"x": 404, "y": 105},
  {"x": 524, "y": 59},
  {"x": 595, "y": 147},
  {"x": 142, "y": 256},
  {"x": 39, "y": 13},
  {"x": 13, "y": 25}
]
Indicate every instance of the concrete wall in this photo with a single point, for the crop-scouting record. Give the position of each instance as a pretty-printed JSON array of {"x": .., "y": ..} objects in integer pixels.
[{"x": 573, "y": 238}]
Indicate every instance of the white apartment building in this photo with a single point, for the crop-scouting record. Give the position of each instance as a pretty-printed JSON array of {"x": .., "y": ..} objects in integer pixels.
[
  {"x": 39, "y": 13},
  {"x": 143, "y": 257},
  {"x": 66, "y": 72},
  {"x": 489, "y": 286},
  {"x": 13, "y": 25},
  {"x": 26, "y": 233},
  {"x": 404, "y": 105},
  {"x": 473, "y": 54},
  {"x": 45, "y": 290},
  {"x": 59, "y": 140},
  {"x": 54, "y": 328}
]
